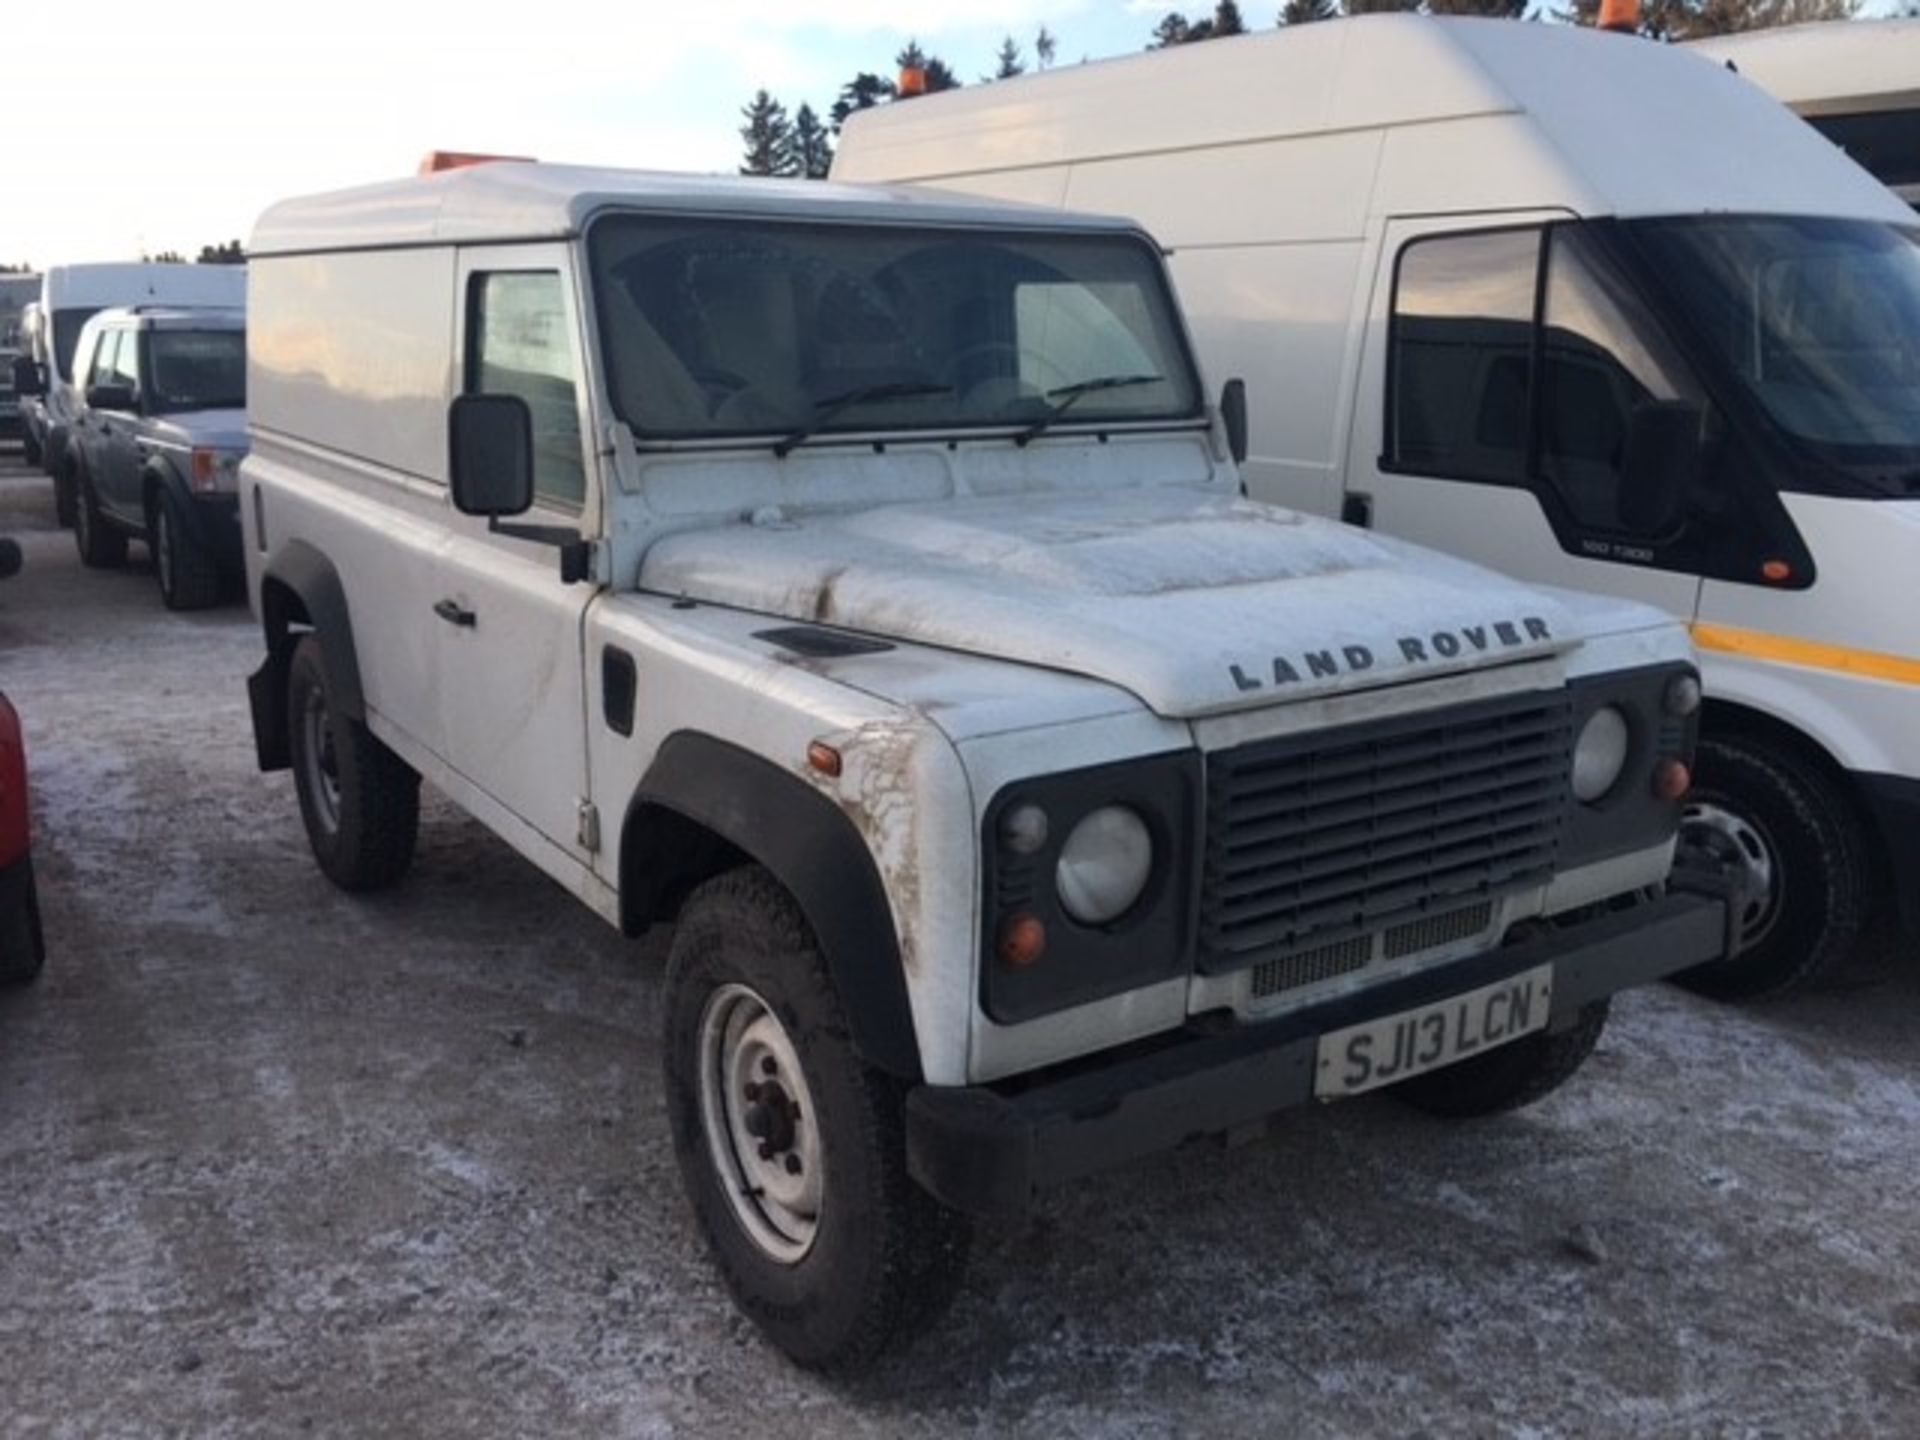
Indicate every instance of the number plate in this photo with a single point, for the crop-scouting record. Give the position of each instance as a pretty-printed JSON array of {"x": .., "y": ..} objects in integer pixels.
[{"x": 1379, "y": 1052}]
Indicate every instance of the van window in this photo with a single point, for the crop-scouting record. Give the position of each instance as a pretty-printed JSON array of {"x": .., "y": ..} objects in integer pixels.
[
  {"x": 520, "y": 344},
  {"x": 1602, "y": 358},
  {"x": 1459, "y": 356}
]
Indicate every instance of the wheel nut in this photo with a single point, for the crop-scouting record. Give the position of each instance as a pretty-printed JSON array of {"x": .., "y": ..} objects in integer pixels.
[
  {"x": 766, "y": 1152},
  {"x": 767, "y": 1066},
  {"x": 752, "y": 1091},
  {"x": 793, "y": 1164}
]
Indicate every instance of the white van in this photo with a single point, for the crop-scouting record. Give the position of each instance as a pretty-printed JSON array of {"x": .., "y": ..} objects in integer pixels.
[
  {"x": 1858, "y": 84},
  {"x": 887, "y": 615},
  {"x": 71, "y": 295},
  {"x": 1569, "y": 304}
]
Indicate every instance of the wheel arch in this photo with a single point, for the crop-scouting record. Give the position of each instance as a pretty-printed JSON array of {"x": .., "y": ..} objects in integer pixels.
[
  {"x": 300, "y": 592},
  {"x": 705, "y": 806}
]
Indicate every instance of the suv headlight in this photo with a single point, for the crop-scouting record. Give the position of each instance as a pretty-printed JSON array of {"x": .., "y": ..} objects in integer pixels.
[
  {"x": 1087, "y": 884},
  {"x": 1600, "y": 754},
  {"x": 1104, "y": 865}
]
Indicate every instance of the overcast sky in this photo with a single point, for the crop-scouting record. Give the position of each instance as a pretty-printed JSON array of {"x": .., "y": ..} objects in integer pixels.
[{"x": 145, "y": 126}]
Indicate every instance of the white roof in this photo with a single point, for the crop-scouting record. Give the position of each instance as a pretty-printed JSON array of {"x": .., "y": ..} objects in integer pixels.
[
  {"x": 1831, "y": 68},
  {"x": 516, "y": 200},
  {"x": 1632, "y": 127}
]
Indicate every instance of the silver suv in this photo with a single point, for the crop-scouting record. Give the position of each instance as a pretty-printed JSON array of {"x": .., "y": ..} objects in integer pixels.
[{"x": 157, "y": 442}]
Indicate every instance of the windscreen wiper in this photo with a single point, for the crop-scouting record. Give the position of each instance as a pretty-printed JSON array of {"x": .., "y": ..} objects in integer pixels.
[
  {"x": 1069, "y": 395},
  {"x": 825, "y": 408}
]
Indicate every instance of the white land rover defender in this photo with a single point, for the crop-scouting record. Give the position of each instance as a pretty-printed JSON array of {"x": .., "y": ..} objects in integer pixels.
[{"x": 887, "y": 615}]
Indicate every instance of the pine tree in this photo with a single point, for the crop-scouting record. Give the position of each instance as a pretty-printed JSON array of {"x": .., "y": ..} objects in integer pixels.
[
  {"x": 769, "y": 138},
  {"x": 1172, "y": 30},
  {"x": 812, "y": 146},
  {"x": 862, "y": 92},
  {"x": 1007, "y": 62},
  {"x": 1692, "y": 19},
  {"x": 1378, "y": 7},
  {"x": 1493, "y": 9},
  {"x": 1043, "y": 47},
  {"x": 1302, "y": 12},
  {"x": 1227, "y": 20},
  {"x": 939, "y": 74}
]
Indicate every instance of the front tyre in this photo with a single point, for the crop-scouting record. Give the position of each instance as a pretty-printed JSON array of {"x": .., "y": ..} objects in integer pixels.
[
  {"x": 1806, "y": 887},
  {"x": 101, "y": 546},
  {"x": 188, "y": 574},
  {"x": 791, "y": 1149},
  {"x": 360, "y": 801},
  {"x": 1518, "y": 1073}
]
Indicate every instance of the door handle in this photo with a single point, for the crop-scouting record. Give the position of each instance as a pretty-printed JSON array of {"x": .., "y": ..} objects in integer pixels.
[{"x": 454, "y": 613}]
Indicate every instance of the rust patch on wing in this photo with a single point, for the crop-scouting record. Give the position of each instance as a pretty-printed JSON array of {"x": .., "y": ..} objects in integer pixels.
[{"x": 875, "y": 789}]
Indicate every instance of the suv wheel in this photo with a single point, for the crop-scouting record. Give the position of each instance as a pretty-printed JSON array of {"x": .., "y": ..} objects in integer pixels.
[
  {"x": 189, "y": 578},
  {"x": 360, "y": 801},
  {"x": 791, "y": 1149},
  {"x": 1808, "y": 890},
  {"x": 100, "y": 545},
  {"x": 1518, "y": 1073}
]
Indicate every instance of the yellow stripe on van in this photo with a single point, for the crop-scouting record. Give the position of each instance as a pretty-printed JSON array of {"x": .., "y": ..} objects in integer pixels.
[{"x": 1759, "y": 645}]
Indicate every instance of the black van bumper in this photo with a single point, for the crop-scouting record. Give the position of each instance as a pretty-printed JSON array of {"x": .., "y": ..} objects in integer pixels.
[{"x": 988, "y": 1149}]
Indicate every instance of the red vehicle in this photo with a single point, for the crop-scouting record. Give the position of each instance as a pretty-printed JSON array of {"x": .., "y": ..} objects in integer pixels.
[{"x": 22, "y": 950}]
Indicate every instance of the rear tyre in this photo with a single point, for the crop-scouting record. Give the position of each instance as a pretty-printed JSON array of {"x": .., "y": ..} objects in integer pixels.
[
  {"x": 101, "y": 546},
  {"x": 1810, "y": 889},
  {"x": 30, "y": 447},
  {"x": 1517, "y": 1074},
  {"x": 360, "y": 801},
  {"x": 792, "y": 1150},
  {"x": 188, "y": 575},
  {"x": 23, "y": 950}
]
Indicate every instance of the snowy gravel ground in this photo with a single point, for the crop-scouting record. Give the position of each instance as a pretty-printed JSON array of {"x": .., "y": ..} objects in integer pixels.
[{"x": 275, "y": 1160}]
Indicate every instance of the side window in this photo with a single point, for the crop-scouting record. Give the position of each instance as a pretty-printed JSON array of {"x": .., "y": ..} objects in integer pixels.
[
  {"x": 1602, "y": 360},
  {"x": 1460, "y": 350},
  {"x": 519, "y": 343},
  {"x": 127, "y": 362},
  {"x": 99, "y": 369}
]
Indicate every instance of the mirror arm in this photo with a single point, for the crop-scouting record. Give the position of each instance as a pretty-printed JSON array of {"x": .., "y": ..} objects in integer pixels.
[{"x": 576, "y": 555}]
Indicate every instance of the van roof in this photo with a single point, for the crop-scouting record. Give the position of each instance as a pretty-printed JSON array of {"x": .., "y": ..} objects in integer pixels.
[
  {"x": 1828, "y": 68},
  {"x": 67, "y": 286},
  {"x": 512, "y": 200},
  {"x": 1597, "y": 123}
]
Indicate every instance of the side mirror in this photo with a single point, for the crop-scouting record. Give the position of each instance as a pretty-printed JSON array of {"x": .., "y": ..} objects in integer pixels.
[
  {"x": 490, "y": 455},
  {"x": 27, "y": 379},
  {"x": 1233, "y": 414},
  {"x": 1661, "y": 465},
  {"x": 110, "y": 397}
]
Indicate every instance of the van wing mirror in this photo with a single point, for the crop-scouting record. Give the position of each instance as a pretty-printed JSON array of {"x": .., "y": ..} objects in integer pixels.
[
  {"x": 1233, "y": 414},
  {"x": 27, "y": 377},
  {"x": 110, "y": 397},
  {"x": 1661, "y": 465},
  {"x": 490, "y": 455}
]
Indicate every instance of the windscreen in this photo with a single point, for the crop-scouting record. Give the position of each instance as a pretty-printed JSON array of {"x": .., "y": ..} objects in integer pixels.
[
  {"x": 717, "y": 328},
  {"x": 197, "y": 369},
  {"x": 66, "y": 334},
  {"x": 1817, "y": 319}
]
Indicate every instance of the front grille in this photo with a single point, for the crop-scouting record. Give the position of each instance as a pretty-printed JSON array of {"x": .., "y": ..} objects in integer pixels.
[
  {"x": 1356, "y": 952},
  {"x": 1314, "y": 839}
]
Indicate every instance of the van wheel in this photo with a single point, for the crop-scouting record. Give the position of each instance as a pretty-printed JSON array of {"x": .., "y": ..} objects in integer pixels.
[
  {"x": 101, "y": 546},
  {"x": 1518, "y": 1073},
  {"x": 1805, "y": 884},
  {"x": 189, "y": 578},
  {"x": 792, "y": 1151},
  {"x": 360, "y": 801},
  {"x": 30, "y": 447}
]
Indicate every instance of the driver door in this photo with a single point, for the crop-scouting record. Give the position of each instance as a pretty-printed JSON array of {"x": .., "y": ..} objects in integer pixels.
[{"x": 512, "y": 678}]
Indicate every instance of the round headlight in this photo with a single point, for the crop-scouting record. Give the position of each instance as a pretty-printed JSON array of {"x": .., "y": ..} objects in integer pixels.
[
  {"x": 1104, "y": 865},
  {"x": 1600, "y": 755}
]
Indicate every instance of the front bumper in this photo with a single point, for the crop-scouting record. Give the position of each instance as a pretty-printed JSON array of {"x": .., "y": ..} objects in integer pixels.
[
  {"x": 216, "y": 518},
  {"x": 989, "y": 1149},
  {"x": 1894, "y": 801}
]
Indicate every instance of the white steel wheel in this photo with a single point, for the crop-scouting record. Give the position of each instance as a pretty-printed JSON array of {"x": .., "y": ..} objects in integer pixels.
[{"x": 758, "y": 1113}]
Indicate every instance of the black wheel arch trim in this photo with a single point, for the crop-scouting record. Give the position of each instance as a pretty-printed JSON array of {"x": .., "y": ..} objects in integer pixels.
[
  {"x": 303, "y": 574},
  {"x": 764, "y": 814},
  {"x": 161, "y": 474}
]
